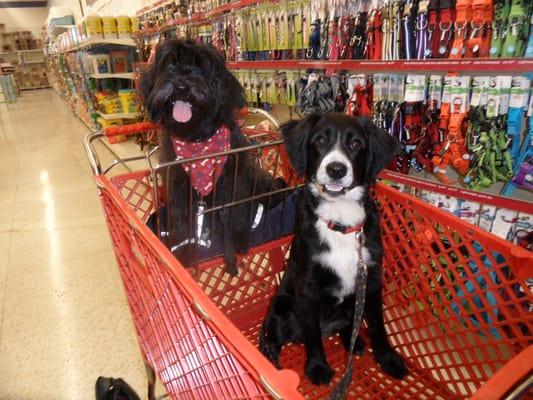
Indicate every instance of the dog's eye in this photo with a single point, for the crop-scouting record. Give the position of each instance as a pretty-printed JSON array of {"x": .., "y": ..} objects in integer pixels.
[
  {"x": 322, "y": 140},
  {"x": 354, "y": 144}
]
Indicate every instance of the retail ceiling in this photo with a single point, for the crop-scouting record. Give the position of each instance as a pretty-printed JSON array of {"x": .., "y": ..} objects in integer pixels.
[{"x": 22, "y": 3}]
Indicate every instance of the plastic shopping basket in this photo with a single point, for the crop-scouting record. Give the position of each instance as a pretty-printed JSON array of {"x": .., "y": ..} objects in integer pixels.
[{"x": 456, "y": 306}]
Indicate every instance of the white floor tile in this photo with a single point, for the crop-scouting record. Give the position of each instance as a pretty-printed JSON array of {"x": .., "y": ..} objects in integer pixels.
[{"x": 64, "y": 319}]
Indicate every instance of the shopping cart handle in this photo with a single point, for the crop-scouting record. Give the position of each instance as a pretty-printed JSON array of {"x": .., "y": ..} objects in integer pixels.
[
  {"x": 129, "y": 129},
  {"x": 244, "y": 112}
]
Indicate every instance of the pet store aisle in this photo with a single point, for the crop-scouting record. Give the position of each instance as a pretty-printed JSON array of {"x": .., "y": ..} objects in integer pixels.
[{"x": 64, "y": 319}]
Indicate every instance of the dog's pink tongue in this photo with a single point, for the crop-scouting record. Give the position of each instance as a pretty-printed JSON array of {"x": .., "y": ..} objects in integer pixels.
[{"x": 182, "y": 111}]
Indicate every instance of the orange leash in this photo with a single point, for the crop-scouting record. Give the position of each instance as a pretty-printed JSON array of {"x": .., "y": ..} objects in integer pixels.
[
  {"x": 478, "y": 44},
  {"x": 462, "y": 22}
]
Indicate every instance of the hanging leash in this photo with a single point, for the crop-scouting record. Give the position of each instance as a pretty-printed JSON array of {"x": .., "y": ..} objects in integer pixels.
[
  {"x": 396, "y": 29},
  {"x": 517, "y": 107},
  {"x": 523, "y": 166},
  {"x": 335, "y": 39},
  {"x": 478, "y": 43},
  {"x": 499, "y": 27},
  {"x": 408, "y": 30},
  {"x": 347, "y": 28},
  {"x": 433, "y": 29},
  {"x": 375, "y": 31},
  {"x": 339, "y": 391},
  {"x": 517, "y": 27},
  {"x": 461, "y": 25},
  {"x": 446, "y": 28},
  {"x": 386, "y": 29},
  {"x": 422, "y": 23},
  {"x": 358, "y": 42},
  {"x": 529, "y": 47}
]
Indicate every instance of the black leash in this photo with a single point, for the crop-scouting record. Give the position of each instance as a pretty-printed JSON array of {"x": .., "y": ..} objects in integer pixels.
[{"x": 339, "y": 391}]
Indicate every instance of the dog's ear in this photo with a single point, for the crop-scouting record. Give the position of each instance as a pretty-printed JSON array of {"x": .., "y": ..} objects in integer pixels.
[
  {"x": 232, "y": 89},
  {"x": 382, "y": 148},
  {"x": 147, "y": 85},
  {"x": 295, "y": 135},
  {"x": 156, "y": 92},
  {"x": 226, "y": 87}
]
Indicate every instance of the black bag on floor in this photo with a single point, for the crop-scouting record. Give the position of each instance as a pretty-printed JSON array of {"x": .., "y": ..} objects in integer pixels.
[{"x": 114, "y": 389}]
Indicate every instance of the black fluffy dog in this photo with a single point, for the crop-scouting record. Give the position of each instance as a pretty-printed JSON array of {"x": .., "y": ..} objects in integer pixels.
[
  {"x": 340, "y": 157},
  {"x": 193, "y": 96}
]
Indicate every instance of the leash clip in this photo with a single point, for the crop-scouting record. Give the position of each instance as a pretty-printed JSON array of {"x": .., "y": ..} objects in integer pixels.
[{"x": 359, "y": 239}]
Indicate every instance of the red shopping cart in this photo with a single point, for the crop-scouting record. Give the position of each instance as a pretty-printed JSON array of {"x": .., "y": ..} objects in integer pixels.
[{"x": 456, "y": 302}]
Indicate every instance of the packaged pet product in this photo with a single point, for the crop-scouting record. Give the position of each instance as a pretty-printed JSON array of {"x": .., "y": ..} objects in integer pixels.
[
  {"x": 504, "y": 224},
  {"x": 127, "y": 99},
  {"x": 134, "y": 21},
  {"x": 119, "y": 61},
  {"x": 524, "y": 230},
  {"x": 109, "y": 103},
  {"x": 109, "y": 25},
  {"x": 486, "y": 217},
  {"x": 469, "y": 211},
  {"x": 82, "y": 32},
  {"x": 428, "y": 197},
  {"x": 93, "y": 27},
  {"x": 449, "y": 204},
  {"x": 123, "y": 26},
  {"x": 73, "y": 36},
  {"x": 101, "y": 63}
]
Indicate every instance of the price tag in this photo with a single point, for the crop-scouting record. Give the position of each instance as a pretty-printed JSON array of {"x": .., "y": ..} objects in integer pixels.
[
  {"x": 446, "y": 94},
  {"x": 519, "y": 92},
  {"x": 480, "y": 86},
  {"x": 435, "y": 91},
  {"x": 505, "y": 93},
  {"x": 460, "y": 94},
  {"x": 415, "y": 87},
  {"x": 493, "y": 97}
]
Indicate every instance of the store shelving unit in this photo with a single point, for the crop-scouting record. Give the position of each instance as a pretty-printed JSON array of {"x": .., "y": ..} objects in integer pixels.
[
  {"x": 118, "y": 115},
  {"x": 124, "y": 75},
  {"x": 28, "y": 74},
  {"x": 196, "y": 18},
  {"x": 477, "y": 66},
  {"x": 76, "y": 87},
  {"x": 100, "y": 42},
  {"x": 489, "y": 66},
  {"x": 471, "y": 67},
  {"x": 35, "y": 87}
]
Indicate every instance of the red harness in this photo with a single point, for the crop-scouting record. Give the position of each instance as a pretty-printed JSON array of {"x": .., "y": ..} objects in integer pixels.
[{"x": 205, "y": 172}]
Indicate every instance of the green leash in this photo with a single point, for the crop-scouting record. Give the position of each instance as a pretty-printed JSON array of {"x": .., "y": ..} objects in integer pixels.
[
  {"x": 517, "y": 28},
  {"x": 499, "y": 27}
]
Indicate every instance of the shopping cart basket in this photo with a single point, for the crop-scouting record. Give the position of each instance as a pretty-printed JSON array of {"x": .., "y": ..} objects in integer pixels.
[{"x": 198, "y": 327}]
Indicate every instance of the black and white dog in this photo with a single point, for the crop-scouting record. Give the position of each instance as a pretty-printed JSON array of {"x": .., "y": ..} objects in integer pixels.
[
  {"x": 339, "y": 156},
  {"x": 193, "y": 96}
]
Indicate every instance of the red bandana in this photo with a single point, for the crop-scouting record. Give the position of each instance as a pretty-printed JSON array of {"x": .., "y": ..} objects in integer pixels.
[{"x": 204, "y": 172}]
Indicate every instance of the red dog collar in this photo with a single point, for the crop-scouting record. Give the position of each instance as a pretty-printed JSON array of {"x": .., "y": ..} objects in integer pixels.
[
  {"x": 335, "y": 226},
  {"x": 204, "y": 173}
]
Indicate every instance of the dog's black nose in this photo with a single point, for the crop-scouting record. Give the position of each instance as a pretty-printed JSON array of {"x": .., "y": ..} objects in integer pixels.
[{"x": 336, "y": 170}]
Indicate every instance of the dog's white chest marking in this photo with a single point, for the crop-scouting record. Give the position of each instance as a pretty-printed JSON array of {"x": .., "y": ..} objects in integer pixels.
[{"x": 343, "y": 255}]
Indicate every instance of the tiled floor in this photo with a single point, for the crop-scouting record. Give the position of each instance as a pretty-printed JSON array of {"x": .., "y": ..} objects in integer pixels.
[{"x": 63, "y": 315}]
